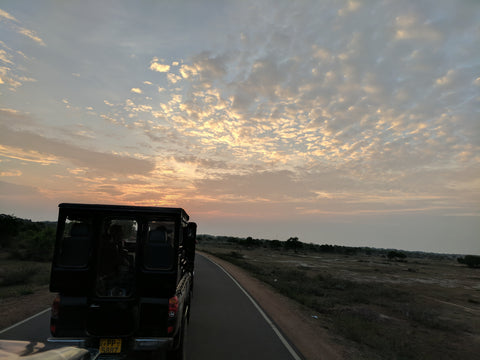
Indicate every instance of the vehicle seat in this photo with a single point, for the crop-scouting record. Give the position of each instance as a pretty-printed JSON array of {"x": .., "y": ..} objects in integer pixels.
[
  {"x": 158, "y": 253},
  {"x": 76, "y": 247}
]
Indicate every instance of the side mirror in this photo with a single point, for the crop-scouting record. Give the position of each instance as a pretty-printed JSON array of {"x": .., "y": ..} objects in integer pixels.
[{"x": 191, "y": 232}]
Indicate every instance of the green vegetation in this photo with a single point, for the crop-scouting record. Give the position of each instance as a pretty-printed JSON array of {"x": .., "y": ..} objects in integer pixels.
[
  {"x": 394, "y": 254},
  {"x": 22, "y": 277},
  {"x": 26, "y": 249},
  {"x": 26, "y": 240},
  {"x": 294, "y": 244},
  {"x": 472, "y": 261}
]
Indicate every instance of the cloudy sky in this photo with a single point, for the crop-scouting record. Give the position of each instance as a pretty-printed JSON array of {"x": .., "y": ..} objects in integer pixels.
[{"x": 340, "y": 122}]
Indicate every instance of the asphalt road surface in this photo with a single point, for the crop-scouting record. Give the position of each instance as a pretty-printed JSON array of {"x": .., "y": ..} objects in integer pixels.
[{"x": 224, "y": 323}]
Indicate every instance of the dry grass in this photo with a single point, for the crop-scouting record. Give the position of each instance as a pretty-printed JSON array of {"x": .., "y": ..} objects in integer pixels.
[
  {"x": 19, "y": 278},
  {"x": 415, "y": 309},
  {"x": 23, "y": 289}
]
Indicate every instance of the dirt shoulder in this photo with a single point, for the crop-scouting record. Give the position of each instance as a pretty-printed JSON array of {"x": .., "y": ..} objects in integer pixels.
[{"x": 302, "y": 330}]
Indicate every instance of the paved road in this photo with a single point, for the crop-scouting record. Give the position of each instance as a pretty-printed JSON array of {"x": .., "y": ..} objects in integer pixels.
[{"x": 224, "y": 323}]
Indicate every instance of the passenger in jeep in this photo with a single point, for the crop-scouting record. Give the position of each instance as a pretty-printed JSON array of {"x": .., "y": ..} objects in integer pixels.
[{"x": 115, "y": 268}]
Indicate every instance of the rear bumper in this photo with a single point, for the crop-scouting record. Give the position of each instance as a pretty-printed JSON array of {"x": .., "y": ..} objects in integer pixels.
[
  {"x": 140, "y": 344},
  {"x": 135, "y": 344},
  {"x": 79, "y": 342}
]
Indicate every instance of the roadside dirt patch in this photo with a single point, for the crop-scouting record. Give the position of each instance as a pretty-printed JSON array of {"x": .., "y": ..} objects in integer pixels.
[{"x": 303, "y": 331}]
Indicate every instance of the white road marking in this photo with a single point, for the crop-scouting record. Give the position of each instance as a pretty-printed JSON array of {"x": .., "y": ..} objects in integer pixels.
[
  {"x": 284, "y": 341},
  {"x": 24, "y": 321}
]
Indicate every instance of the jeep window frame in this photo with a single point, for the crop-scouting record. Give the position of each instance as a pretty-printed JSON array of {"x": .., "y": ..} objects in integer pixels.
[
  {"x": 82, "y": 246},
  {"x": 169, "y": 244}
]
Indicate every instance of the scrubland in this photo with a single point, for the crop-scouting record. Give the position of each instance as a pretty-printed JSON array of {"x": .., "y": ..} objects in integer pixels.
[{"x": 421, "y": 306}]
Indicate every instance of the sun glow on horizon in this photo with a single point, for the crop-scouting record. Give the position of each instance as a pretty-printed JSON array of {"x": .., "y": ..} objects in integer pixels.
[{"x": 328, "y": 114}]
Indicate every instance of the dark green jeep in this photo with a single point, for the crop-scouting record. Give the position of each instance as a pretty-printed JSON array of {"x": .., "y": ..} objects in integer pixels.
[{"x": 124, "y": 278}]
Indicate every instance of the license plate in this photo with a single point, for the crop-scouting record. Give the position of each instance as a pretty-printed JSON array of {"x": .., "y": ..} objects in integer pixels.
[{"x": 110, "y": 346}]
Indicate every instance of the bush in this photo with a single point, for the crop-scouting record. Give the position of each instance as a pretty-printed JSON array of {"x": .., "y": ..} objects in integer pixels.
[
  {"x": 250, "y": 242},
  {"x": 9, "y": 228},
  {"x": 18, "y": 276},
  {"x": 36, "y": 245},
  {"x": 25, "y": 239},
  {"x": 293, "y": 243},
  {"x": 236, "y": 255},
  {"x": 472, "y": 261},
  {"x": 396, "y": 255},
  {"x": 275, "y": 244}
]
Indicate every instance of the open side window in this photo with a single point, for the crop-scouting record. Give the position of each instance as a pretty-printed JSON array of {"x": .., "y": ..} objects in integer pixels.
[
  {"x": 116, "y": 258},
  {"x": 75, "y": 243},
  {"x": 158, "y": 251}
]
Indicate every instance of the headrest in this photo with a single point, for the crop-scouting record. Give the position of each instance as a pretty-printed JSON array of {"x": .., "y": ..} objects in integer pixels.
[
  {"x": 79, "y": 230},
  {"x": 157, "y": 236}
]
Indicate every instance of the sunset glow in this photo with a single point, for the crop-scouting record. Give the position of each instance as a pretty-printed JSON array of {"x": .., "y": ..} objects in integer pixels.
[{"x": 340, "y": 122}]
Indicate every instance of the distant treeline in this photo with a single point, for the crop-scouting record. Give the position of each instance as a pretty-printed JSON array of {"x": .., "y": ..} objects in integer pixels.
[
  {"x": 26, "y": 239},
  {"x": 293, "y": 243}
]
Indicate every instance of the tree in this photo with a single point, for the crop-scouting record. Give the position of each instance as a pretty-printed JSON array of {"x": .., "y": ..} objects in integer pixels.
[
  {"x": 275, "y": 244},
  {"x": 393, "y": 254},
  {"x": 250, "y": 242},
  {"x": 472, "y": 261},
  {"x": 293, "y": 243},
  {"x": 10, "y": 226},
  {"x": 35, "y": 244}
]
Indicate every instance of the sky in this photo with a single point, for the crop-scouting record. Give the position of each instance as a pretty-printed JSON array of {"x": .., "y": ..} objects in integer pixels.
[{"x": 342, "y": 122}]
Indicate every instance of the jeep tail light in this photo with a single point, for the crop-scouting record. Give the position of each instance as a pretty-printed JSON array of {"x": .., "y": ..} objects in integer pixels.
[
  {"x": 172, "y": 307},
  {"x": 56, "y": 307},
  {"x": 54, "y": 315},
  {"x": 53, "y": 328}
]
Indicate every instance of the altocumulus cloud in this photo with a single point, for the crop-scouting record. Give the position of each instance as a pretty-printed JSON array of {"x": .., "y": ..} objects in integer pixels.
[
  {"x": 367, "y": 93},
  {"x": 158, "y": 67},
  {"x": 299, "y": 109},
  {"x": 24, "y": 140}
]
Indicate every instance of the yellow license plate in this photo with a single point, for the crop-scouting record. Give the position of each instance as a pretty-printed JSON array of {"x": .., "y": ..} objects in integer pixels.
[{"x": 110, "y": 346}]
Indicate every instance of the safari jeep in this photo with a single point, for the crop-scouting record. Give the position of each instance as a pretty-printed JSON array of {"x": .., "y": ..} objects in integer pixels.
[{"x": 124, "y": 278}]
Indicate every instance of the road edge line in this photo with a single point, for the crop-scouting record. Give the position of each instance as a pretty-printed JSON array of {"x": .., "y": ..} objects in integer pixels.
[
  {"x": 24, "y": 320},
  {"x": 275, "y": 329}
]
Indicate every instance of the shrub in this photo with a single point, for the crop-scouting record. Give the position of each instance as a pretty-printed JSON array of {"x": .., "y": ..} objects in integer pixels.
[
  {"x": 396, "y": 255},
  {"x": 36, "y": 245},
  {"x": 250, "y": 242},
  {"x": 236, "y": 255},
  {"x": 9, "y": 228},
  {"x": 18, "y": 276},
  {"x": 275, "y": 244},
  {"x": 472, "y": 261},
  {"x": 293, "y": 243}
]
